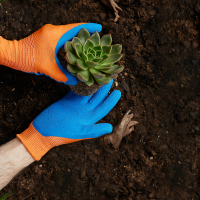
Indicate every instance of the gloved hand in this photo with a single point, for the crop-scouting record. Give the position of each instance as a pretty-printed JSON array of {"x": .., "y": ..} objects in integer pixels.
[
  {"x": 38, "y": 52},
  {"x": 69, "y": 120}
]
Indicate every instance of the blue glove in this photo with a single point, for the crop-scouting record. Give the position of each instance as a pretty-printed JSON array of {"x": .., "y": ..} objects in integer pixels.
[{"x": 74, "y": 116}]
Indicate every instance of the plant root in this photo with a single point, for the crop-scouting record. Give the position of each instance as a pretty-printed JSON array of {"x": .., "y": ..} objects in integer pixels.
[
  {"x": 125, "y": 127},
  {"x": 113, "y": 5}
]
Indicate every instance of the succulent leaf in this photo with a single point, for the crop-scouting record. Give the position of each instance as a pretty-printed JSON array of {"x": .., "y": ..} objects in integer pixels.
[
  {"x": 76, "y": 40},
  {"x": 106, "y": 49},
  {"x": 112, "y": 59},
  {"x": 104, "y": 58},
  {"x": 93, "y": 52},
  {"x": 90, "y": 57},
  {"x": 83, "y": 75},
  {"x": 106, "y": 40},
  {"x": 95, "y": 38},
  {"x": 89, "y": 50},
  {"x": 97, "y": 48},
  {"x": 97, "y": 60},
  {"x": 81, "y": 65},
  {"x": 68, "y": 47},
  {"x": 103, "y": 67},
  {"x": 72, "y": 68},
  {"x": 83, "y": 35},
  {"x": 71, "y": 58},
  {"x": 84, "y": 56},
  {"x": 88, "y": 44},
  {"x": 98, "y": 53},
  {"x": 117, "y": 48},
  {"x": 114, "y": 70},
  {"x": 91, "y": 63},
  {"x": 79, "y": 50},
  {"x": 90, "y": 81},
  {"x": 104, "y": 81},
  {"x": 97, "y": 74}
]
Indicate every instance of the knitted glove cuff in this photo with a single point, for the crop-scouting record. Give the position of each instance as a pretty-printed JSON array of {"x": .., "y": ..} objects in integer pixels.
[{"x": 37, "y": 144}]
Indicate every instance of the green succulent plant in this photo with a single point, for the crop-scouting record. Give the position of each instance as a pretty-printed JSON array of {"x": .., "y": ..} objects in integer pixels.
[{"x": 92, "y": 59}]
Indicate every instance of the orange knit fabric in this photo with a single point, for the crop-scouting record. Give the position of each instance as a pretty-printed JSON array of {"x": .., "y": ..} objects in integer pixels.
[
  {"x": 19, "y": 55},
  {"x": 38, "y": 145},
  {"x": 36, "y": 52}
]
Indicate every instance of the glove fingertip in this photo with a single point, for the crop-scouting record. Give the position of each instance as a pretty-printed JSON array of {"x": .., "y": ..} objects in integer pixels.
[
  {"x": 72, "y": 80},
  {"x": 104, "y": 128},
  {"x": 116, "y": 94},
  {"x": 109, "y": 128},
  {"x": 98, "y": 27},
  {"x": 111, "y": 100},
  {"x": 92, "y": 27},
  {"x": 111, "y": 82}
]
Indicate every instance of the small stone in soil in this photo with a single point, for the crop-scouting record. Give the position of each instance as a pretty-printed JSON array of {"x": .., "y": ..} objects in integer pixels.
[
  {"x": 125, "y": 86},
  {"x": 194, "y": 115}
]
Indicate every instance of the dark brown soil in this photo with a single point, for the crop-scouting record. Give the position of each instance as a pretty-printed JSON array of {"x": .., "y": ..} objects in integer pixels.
[
  {"x": 160, "y": 84},
  {"x": 82, "y": 89}
]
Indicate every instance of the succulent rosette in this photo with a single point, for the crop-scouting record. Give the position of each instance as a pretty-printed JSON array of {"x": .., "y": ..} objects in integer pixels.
[{"x": 92, "y": 58}]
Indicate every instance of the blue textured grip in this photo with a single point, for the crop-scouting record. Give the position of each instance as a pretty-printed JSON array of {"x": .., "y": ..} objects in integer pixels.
[
  {"x": 75, "y": 117},
  {"x": 91, "y": 27}
]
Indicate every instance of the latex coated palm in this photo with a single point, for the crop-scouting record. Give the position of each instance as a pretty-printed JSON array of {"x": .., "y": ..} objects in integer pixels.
[
  {"x": 75, "y": 116},
  {"x": 71, "y": 119},
  {"x": 38, "y": 52}
]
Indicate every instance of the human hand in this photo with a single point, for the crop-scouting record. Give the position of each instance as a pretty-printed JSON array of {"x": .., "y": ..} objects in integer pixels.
[
  {"x": 71, "y": 119},
  {"x": 38, "y": 52}
]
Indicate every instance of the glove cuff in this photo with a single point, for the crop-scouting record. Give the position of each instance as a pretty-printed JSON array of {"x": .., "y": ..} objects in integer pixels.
[
  {"x": 37, "y": 144},
  {"x": 19, "y": 55}
]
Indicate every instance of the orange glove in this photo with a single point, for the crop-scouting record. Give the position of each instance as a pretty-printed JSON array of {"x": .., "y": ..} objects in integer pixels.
[
  {"x": 38, "y": 145},
  {"x": 38, "y": 52}
]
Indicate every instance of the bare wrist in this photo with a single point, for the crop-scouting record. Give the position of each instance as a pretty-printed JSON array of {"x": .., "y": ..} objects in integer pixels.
[{"x": 13, "y": 158}]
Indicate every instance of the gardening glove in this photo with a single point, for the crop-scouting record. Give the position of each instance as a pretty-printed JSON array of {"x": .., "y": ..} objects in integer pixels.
[
  {"x": 38, "y": 52},
  {"x": 71, "y": 119}
]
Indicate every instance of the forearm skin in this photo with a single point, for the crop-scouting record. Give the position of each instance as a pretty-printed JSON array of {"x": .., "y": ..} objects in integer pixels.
[{"x": 13, "y": 158}]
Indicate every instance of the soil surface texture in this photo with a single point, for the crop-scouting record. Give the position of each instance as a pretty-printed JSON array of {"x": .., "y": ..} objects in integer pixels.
[{"x": 160, "y": 85}]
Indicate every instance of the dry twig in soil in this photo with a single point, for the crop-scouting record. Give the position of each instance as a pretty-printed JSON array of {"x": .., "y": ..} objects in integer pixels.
[
  {"x": 112, "y": 5},
  {"x": 125, "y": 127}
]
